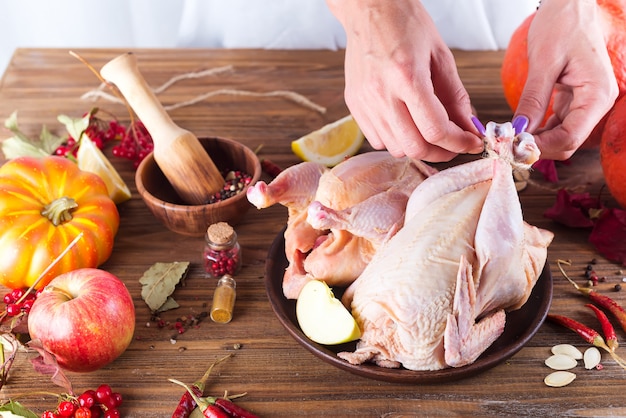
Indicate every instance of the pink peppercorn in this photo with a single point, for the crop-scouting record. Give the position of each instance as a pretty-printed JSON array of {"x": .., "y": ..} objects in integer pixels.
[{"x": 222, "y": 252}]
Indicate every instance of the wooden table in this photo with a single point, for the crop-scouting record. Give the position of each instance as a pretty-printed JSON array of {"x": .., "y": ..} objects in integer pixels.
[{"x": 280, "y": 377}]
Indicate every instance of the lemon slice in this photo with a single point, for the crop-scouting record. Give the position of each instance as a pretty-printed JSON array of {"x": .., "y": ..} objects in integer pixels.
[
  {"x": 91, "y": 159},
  {"x": 330, "y": 144}
]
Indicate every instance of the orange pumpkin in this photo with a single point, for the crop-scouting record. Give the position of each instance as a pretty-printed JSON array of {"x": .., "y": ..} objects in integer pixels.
[
  {"x": 44, "y": 204},
  {"x": 515, "y": 62},
  {"x": 613, "y": 152}
]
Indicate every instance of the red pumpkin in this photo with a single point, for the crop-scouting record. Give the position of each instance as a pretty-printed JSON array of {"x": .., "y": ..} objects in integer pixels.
[
  {"x": 613, "y": 152},
  {"x": 44, "y": 204},
  {"x": 515, "y": 62}
]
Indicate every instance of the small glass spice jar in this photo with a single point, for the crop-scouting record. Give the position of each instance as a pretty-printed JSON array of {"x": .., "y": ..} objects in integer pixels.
[
  {"x": 224, "y": 299},
  {"x": 222, "y": 252}
]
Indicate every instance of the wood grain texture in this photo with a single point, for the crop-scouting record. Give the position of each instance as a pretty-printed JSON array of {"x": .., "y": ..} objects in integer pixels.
[{"x": 281, "y": 378}]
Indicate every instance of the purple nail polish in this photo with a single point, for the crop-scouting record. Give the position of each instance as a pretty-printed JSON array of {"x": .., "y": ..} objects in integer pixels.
[
  {"x": 520, "y": 123},
  {"x": 479, "y": 125}
]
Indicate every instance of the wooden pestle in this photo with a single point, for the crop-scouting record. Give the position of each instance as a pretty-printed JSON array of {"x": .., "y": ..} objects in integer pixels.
[{"x": 177, "y": 152}]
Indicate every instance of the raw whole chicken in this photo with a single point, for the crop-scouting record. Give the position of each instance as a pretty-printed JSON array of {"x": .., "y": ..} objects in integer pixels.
[
  {"x": 338, "y": 218},
  {"x": 435, "y": 294}
]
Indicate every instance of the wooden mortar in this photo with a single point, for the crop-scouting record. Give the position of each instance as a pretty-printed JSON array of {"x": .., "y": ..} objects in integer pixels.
[{"x": 178, "y": 153}]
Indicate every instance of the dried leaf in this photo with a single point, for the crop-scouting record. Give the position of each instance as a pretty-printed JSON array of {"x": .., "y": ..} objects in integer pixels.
[
  {"x": 573, "y": 210},
  {"x": 609, "y": 235},
  {"x": 75, "y": 126},
  {"x": 46, "y": 363},
  {"x": 14, "y": 409},
  {"x": 159, "y": 282},
  {"x": 15, "y": 147},
  {"x": 548, "y": 169},
  {"x": 10, "y": 346},
  {"x": 49, "y": 141},
  {"x": 21, "y": 145},
  {"x": 579, "y": 210},
  {"x": 17, "y": 325},
  {"x": 11, "y": 124}
]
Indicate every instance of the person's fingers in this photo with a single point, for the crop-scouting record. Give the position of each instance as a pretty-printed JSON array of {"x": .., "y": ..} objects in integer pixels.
[
  {"x": 386, "y": 122},
  {"x": 535, "y": 97},
  {"x": 368, "y": 128},
  {"x": 436, "y": 127},
  {"x": 399, "y": 135},
  {"x": 451, "y": 92},
  {"x": 572, "y": 123}
]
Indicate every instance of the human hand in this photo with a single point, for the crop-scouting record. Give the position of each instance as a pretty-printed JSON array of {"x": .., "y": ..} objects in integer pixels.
[
  {"x": 566, "y": 53},
  {"x": 402, "y": 85}
]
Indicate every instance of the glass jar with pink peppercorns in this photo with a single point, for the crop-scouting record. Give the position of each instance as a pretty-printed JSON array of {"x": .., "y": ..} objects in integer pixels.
[{"x": 222, "y": 252}]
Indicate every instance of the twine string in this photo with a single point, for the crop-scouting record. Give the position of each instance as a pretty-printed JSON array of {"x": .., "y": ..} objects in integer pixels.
[{"x": 292, "y": 96}]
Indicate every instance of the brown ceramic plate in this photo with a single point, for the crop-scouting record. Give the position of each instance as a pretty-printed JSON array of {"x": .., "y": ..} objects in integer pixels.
[{"x": 520, "y": 327}]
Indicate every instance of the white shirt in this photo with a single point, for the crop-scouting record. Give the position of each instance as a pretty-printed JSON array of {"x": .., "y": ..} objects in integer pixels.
[
  {"x": 464, "y": 24},
  {"x": 306, "y": 24}
]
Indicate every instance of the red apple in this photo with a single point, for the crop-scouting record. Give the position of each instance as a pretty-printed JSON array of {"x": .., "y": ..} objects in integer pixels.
[{"x": 85, "y": 317}]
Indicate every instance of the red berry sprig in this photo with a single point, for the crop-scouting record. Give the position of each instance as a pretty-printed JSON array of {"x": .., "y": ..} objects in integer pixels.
[
  {"x": 18, "y": 301},
  {"x": 99, "y": 403},
  {"x": 135, "y": 142},
  {"x": 99, "y": 130}
]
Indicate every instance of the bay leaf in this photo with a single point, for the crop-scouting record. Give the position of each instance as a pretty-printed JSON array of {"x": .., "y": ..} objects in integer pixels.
[
  {"x": 170, "y": 303},
  {"x": 159, "y": 282}
]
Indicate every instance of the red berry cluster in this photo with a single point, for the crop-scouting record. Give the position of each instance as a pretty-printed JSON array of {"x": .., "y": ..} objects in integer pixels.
[
  {"x": 135, "y": 145},
  {"x": 17, "y": 301},
  {"x": 99, "y": 403},
  {"x": 99, "y": 131},
  {"x": 135, "y": 140}
]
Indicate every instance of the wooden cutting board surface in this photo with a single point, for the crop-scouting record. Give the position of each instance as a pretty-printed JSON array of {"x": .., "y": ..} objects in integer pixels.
[{"x": 280, "y": 377}]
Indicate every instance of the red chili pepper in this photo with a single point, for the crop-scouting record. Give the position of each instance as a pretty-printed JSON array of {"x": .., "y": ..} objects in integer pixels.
[
  {"x": 270, "y": 168},
  {"x": 601, "y": 300},
  {"x": 234, "y": 410},
  {"x": 588, "y": 334},
  {"x": 609, "y": 304},
  {"x": 187, "y": 404},
  {"x": 608, "y": 330},
  {"x": 212, "y": 411}
]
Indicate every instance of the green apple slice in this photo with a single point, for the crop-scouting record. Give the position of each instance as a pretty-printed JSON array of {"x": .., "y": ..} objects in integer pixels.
[{"x": 322, "y": 317}]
